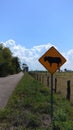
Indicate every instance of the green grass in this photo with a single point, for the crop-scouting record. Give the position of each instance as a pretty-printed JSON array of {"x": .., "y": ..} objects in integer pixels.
[{"x": 29, "y": 108}]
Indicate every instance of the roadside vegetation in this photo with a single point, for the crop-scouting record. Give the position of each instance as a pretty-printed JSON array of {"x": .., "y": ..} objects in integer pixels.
[
  {"x": 8, "y": 63},
  {"x": 29, "y": 108}
]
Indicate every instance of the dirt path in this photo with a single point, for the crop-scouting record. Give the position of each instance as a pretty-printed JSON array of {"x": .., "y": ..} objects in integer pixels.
[{"x": 7, "y": 85}]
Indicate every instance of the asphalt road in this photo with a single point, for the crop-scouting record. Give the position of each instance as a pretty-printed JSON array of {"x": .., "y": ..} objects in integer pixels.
[{"x": 7, "y": 85}]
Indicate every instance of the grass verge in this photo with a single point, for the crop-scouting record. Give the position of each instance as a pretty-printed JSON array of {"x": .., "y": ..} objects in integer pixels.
[{"x": 29, "y": 108}]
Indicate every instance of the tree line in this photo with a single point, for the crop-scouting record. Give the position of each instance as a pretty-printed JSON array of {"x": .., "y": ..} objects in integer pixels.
[{"x": 8, "y": 63}]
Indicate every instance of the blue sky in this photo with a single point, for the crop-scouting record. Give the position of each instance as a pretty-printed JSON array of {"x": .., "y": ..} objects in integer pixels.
[
  {"x": 34, "y": 22},
  {"x": 37, "y": 22}
]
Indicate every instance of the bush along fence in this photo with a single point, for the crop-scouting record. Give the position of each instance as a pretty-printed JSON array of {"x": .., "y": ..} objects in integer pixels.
[{"x": 46, "y": 80}]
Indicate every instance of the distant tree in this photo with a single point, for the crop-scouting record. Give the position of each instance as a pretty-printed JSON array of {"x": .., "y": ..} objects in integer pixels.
[
  {"x": 8, "y": 63},
  {"x": 65, "y": 70},
  {"x": 1, "y": 46},
  {"x": 25, "y": 67},
  {"x": 1, "y": 54},
  {"x": 7, "y": 54},
  {"x": 16, "y": 64}
]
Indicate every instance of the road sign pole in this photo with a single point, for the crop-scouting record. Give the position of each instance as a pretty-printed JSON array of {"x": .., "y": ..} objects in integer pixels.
[
  {"x": 52, "y": 98},
  {"x": 52, "y": 60}
]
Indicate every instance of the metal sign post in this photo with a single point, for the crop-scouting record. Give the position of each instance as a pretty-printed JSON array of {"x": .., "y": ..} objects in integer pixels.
[
  {"x": 52, "y": 60},
  {"x": 51, "y": 97}
]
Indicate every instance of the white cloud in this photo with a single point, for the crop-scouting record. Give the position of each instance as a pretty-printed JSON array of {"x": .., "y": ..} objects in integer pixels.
[
  {"x": 31, "y": 56},
  {"x": 69, "y": 57}
]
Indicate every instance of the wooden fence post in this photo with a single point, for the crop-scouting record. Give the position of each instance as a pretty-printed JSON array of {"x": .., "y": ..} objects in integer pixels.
[
  {"x": 43, "y": 79},
  {"x": 37, "y": 76},
  {"x": 68, "y": 90}
]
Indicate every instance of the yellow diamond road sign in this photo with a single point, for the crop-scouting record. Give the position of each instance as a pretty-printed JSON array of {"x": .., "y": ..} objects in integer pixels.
[{"x": 52, "y": 60}]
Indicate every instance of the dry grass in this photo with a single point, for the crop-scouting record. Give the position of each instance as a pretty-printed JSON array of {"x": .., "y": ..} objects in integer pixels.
[{"x": 62, "y": 78}]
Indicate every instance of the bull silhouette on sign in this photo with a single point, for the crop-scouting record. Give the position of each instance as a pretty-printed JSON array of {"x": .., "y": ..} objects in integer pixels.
[{"x": 52, "y": 60}]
